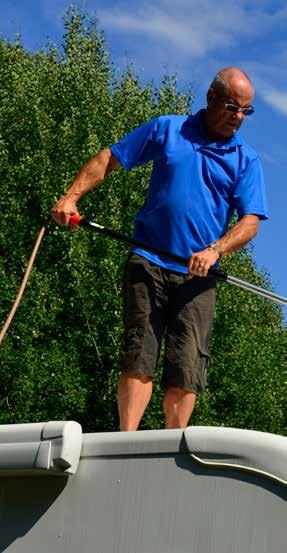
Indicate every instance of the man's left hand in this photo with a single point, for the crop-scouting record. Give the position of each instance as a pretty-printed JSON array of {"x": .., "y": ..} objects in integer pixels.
[{"x": 199, "y": 263}]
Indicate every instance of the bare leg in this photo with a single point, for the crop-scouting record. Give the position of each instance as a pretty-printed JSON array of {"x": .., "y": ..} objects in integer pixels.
[
  {"x": 178, "y": 406},
  {"x": 134, "y": 393}
]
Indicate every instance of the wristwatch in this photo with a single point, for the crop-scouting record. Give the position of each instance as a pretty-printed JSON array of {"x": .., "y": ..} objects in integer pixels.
[{"x": 214, "y": 246}]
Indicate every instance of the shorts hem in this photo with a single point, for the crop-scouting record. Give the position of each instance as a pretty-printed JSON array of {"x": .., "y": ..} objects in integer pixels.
[
  {"x": 166, "y": 385},
  {"x": 137, "y": 372}
]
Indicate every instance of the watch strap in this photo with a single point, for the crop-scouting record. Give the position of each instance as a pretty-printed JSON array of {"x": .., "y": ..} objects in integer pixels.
[{"x": 214, "y": 246}]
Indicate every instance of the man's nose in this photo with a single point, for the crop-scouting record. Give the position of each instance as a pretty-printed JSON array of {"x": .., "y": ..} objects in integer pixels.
[{"x": 240, "y": 116}]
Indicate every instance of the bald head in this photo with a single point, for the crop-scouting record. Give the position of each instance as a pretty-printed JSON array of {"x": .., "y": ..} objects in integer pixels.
[{"x": 230, "y": 79}]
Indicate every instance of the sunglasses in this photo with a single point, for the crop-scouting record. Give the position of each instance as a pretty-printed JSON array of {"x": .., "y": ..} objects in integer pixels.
[{"x": 237, "y": 109}]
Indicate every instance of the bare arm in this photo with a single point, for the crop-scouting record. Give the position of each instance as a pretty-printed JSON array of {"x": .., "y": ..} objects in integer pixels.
[
  {"x": 236, "y": 237},
  {"x": 88, "y": 178}
]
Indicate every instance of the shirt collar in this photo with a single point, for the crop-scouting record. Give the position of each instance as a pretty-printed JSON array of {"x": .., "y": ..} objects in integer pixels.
[{"x": 196, "y": 121}]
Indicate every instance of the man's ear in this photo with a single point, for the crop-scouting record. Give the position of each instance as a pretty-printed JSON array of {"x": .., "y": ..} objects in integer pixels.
[{"x": 211, "y": 97}]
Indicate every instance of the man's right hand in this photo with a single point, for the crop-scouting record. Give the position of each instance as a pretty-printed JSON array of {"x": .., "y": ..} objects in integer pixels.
[
  {"x": 88, "y": 178},
  {"x": 64, "y": 208}
]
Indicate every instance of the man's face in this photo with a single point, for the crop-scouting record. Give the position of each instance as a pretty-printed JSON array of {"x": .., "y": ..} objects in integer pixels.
[{"x": 223, "y": 123}]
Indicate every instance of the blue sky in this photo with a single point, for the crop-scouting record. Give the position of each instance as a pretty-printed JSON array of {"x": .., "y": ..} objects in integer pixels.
[{"x": 195, "y": 39}]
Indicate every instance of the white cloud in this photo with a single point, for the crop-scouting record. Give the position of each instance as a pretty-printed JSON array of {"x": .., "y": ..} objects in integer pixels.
[
  {"x": 273, "y": 97},
  {"x": 268, "y": 158},
  {"x": 189, "y": 35},
  {"x": 269, "y": 80},
  {"x": 189, "y": 39},
  {"x": 191, "y": 27}
]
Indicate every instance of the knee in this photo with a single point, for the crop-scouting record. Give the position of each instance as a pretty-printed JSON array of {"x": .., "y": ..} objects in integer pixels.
[
  {"x": 170, "y": 399},
  {"x": 175, "y": 398}
]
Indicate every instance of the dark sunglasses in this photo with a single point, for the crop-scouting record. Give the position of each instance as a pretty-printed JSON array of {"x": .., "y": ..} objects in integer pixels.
[{"x": 237, "y": 109}]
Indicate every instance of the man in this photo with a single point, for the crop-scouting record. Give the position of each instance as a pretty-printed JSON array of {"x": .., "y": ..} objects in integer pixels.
[{"x": 202, "y": 173}]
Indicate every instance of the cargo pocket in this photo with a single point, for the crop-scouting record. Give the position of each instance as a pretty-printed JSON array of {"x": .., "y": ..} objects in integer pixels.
[
  {"x": 203, "y": 359},
  {"x": 132, "y": 349},
  {"x": 202, "y": 364}
]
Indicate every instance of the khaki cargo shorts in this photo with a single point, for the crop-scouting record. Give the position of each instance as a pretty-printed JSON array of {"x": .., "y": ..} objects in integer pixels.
[{"x": 161, "y": 304}]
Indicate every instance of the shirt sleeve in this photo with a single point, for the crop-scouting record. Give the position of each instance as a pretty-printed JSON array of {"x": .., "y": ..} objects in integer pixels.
[
  {"x": 139, "y": 146},
  {"x": 249, "y": 197}
]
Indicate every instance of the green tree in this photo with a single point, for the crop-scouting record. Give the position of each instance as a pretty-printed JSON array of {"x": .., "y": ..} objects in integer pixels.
[{"x": 60, "y": 357}]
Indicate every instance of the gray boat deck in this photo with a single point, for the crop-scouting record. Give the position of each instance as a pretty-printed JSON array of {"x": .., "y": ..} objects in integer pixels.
[{"x": 198, "y": 490}]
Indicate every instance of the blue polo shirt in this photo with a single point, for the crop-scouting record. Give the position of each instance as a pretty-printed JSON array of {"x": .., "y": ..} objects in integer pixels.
[{"x": 195, "y": 185}]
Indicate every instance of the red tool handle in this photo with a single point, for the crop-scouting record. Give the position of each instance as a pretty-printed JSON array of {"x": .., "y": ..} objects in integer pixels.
[{"x": 74, "y": 220}]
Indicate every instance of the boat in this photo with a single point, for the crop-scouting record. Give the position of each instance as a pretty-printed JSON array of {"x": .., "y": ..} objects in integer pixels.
[{"x": 194, "y": 490}]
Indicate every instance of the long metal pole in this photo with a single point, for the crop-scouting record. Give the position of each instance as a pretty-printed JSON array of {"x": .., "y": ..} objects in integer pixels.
[
  {"x": 256, "y": 289},
  {"x": 76, "y": 220}
]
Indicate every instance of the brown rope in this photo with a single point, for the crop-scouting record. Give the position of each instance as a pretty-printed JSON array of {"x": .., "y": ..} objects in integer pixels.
[{"x": 24, "y": 282}]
